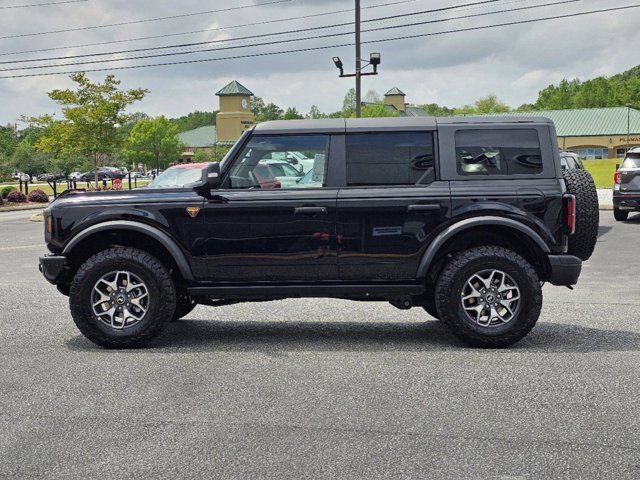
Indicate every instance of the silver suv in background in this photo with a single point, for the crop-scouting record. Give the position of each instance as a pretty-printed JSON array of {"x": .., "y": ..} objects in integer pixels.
[
  {"x": 570, "y": 161},
  {"x": 626, "y": 186}
]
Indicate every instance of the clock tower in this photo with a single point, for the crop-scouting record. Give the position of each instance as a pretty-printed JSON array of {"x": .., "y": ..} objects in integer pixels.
[{"x": 235, "y": 114}]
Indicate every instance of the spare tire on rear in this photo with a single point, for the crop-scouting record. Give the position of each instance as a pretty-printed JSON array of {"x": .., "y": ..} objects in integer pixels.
[{"x": 583, "y": 241}]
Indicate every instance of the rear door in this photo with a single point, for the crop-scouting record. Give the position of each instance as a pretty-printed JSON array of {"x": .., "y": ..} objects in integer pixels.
[
  {"x": 630, "y": 174},
  {"x": 391, "y": 207}
]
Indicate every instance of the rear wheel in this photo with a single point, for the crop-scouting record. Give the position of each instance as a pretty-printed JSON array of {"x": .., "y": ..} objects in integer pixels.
[
  {"x": 489, "y": 296},
  {"x": 122, "y": 298},
  {"x": 620, "y": 215}
]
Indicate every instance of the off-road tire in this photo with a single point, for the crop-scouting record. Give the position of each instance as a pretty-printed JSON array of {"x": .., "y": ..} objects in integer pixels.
[
  {"x": 583, "y": 241},
  {"x": 157, "y": 278},
  {"x": 620, "y": 215},
  {"x": 451, "y": 283},
  {"x": 184, "y": 305}
]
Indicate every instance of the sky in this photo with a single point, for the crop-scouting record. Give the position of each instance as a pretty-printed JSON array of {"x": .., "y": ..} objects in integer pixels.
[{"x": 453, "y": 69}]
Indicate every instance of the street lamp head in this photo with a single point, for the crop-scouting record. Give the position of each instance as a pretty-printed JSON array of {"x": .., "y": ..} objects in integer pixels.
[
  {"x": 338, "y": 62},
  {"x": 374, "y": 59}
]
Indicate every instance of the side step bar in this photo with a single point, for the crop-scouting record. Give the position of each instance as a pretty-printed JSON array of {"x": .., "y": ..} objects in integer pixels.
[{"x": 308, "y": 290}]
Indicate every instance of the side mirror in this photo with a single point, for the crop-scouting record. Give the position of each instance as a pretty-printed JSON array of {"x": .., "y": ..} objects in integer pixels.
[{"x": 211, "y": 179}]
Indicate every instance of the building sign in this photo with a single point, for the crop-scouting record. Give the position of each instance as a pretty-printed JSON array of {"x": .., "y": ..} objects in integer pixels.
[{"x": 631, "y": 139}]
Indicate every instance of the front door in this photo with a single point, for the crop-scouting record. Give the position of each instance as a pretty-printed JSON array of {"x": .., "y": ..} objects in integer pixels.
[
  {"x": 274, "y": 220},
  {"x": 392, "y": 205}
]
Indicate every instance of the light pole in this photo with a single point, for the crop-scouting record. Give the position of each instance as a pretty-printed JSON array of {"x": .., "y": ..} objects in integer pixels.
[
  {"x": 628, "y": 125},
  {"x": 374, "y": 60}
]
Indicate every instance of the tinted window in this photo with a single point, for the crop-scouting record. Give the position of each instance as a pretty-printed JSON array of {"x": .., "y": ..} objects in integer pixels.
[
  {"x": 281, "y": 161},
  {"x": 498, "y": 152},
  {"x": 389, "y": 158}
]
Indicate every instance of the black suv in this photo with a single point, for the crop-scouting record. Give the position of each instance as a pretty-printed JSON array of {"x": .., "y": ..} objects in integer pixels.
[{"x": 465, "y": 217}]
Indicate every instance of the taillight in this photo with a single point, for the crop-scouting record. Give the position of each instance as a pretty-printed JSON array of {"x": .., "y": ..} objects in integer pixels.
[
  {"x": 617, "y": 177},
  {"x": 569, "y": 214},
  {"x": 277, "y": 184}
]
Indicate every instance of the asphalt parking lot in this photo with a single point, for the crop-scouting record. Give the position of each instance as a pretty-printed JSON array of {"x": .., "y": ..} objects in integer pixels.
[{"x": 323, "y": 388}]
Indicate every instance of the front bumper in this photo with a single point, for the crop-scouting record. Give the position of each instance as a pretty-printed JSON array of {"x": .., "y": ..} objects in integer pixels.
[
  {"x": 51, "y": 267},
  {"x": 565, "y": 269}
]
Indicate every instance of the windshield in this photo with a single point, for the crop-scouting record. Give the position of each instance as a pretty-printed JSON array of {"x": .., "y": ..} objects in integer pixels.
[{"x": 176, "y": 177}]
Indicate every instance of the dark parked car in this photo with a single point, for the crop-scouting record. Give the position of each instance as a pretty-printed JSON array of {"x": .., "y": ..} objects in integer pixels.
[
  {"x": 108, "y": 173},
  {"x": 626, "y": 186},
  {"x": 570, "y": 161},
  {"x": 465, "y": 218}
]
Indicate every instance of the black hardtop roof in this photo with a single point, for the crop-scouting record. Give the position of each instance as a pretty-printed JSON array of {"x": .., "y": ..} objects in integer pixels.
[{"x": 341, "y": 125}]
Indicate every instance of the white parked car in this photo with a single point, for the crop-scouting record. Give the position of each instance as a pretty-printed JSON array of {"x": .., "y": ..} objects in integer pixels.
[{"x": 75, "y": 176}]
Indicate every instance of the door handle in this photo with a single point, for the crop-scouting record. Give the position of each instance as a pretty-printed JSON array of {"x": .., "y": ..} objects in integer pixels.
[
  {"x": 424, "y": 207},
  {"x": 310, "y": 210}
]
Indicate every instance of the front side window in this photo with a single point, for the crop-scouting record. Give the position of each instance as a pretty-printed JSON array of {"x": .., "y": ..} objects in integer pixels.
[
  {"x": 389, "y": 158},
  {"x": 498, "y": 152},
  {"x": 281, "y": 161}
]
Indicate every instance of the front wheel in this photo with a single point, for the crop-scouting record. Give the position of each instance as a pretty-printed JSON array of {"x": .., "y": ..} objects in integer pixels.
[
  {"x": 620, "y": 215},
  {"x": 122, "y": 297},
  {"x": 489, "y": 296}
]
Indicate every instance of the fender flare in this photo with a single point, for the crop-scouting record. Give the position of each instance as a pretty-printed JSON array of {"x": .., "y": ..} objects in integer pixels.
[
  {"x": 462, "y": 225},
  {"x": 165, "y": 240}
]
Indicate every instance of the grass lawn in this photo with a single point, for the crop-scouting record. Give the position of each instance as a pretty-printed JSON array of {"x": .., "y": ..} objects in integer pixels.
[{"x": 602, "y": 171}]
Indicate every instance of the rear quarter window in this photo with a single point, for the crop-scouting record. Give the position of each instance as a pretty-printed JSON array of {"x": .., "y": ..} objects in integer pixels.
[{"x": 498, "y": 152}]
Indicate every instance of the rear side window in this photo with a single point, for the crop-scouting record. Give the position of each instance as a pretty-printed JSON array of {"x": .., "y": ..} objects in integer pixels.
[
  {"x": 389, "y": 158},
  {"x": 498, "y": 152}
]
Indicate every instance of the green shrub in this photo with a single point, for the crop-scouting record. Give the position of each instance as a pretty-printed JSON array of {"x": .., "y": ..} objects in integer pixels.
[{"x": 6, "y": 190}]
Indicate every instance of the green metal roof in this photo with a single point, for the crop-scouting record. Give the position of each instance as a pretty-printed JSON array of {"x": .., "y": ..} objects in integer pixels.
[
  {"x": 586, "y": 122},
  {"x": 394, "y": 91},
  {"x": 199, "y": 138},
  {"x": 234, "y": 88}
]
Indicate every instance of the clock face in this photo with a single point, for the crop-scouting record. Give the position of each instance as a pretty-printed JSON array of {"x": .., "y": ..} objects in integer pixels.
[{"x": 244, "y": 103}]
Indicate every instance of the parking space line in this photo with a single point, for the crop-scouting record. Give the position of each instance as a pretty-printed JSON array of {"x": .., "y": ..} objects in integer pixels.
[{"x": 21, "y": 247}]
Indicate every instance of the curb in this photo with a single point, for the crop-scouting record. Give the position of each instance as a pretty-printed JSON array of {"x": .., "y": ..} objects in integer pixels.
[{"x": 21, "y": 209}]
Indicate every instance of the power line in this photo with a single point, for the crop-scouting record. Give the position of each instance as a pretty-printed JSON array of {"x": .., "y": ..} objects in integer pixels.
[
  {"x": 44, "y": 4},
  {"x": 325, "y": 47},
  {"x": 147, "y": 20},
  {"x": 274, "y": 42},
  {"x": 307, "y": 29},
  {"x": 166, "y": 35}
]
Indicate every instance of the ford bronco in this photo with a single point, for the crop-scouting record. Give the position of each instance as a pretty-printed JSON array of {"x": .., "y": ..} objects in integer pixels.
[{"x": 464, "y": 217}]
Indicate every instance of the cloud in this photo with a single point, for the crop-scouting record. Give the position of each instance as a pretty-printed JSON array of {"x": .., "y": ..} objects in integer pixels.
[{"x": 454, "y": 69}]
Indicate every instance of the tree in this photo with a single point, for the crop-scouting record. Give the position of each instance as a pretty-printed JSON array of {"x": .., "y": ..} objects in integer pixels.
[
  {"x": 314, "y": 112},
  {"x": 154, "y": 141},
  {"x": 377, "y": 110},
  {"x": 8, "y": 141},
  {"x": 436, "y": 110},
  {"x": 92, "y": 114},
  {"x": 292, "y": 114},
  {"x": 490, "y": 104},
  {"x": 194, "y": 120},
  {"x": 29, "y": 160},
  {"x": 372, "y": 97},
  {"x": 349, "y": 103},
  {"x": 265, "y": 111}
]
